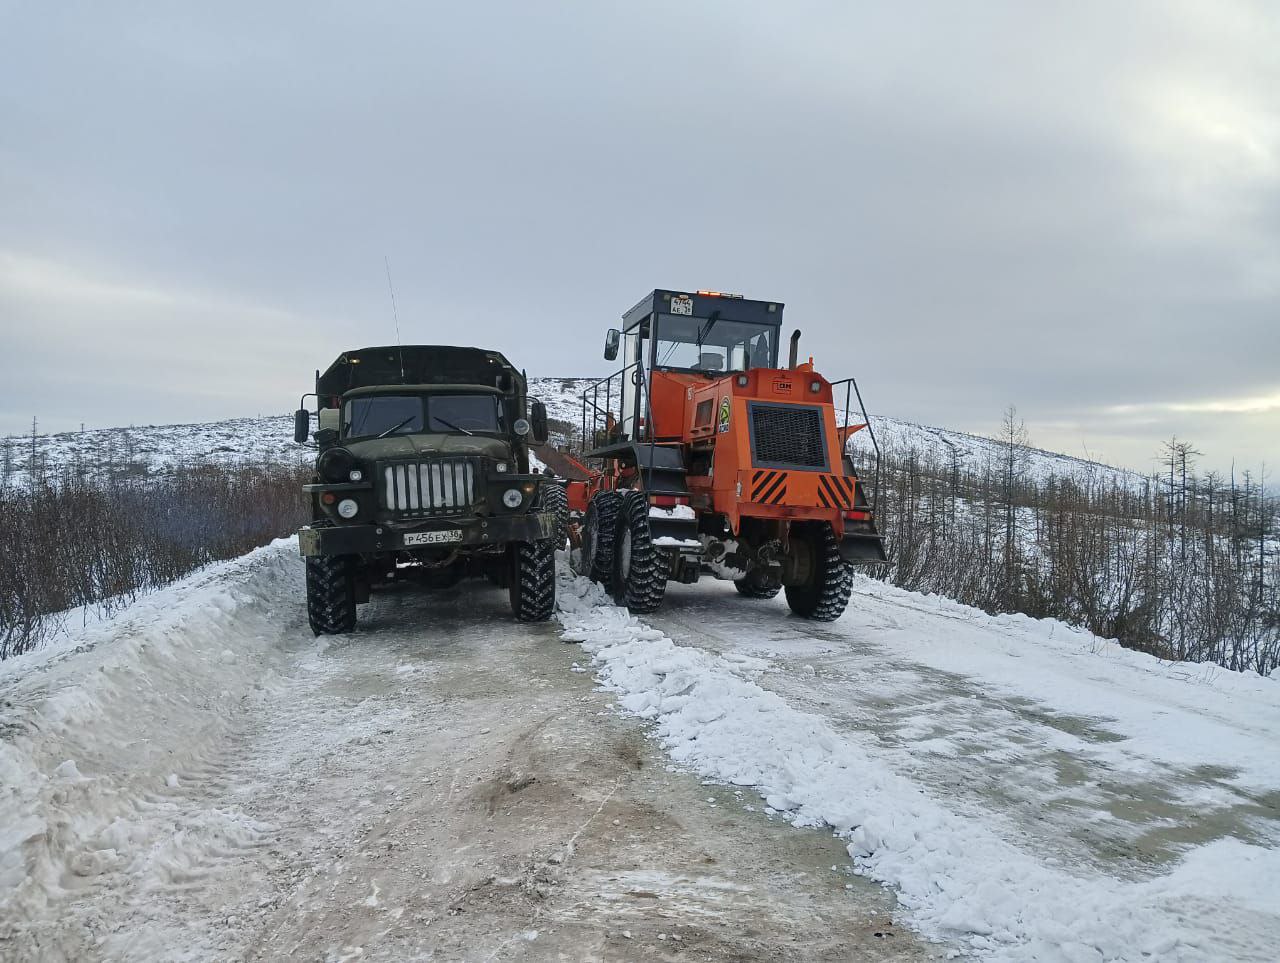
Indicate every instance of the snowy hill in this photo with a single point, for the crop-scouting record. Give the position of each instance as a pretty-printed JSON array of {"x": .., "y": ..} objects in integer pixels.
[
  {"x": 140, "y": 450},
  {"x": 974, "y": 451}
]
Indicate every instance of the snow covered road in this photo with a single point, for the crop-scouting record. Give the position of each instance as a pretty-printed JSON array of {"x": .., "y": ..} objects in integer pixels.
[
  {"x": 1027, "y": 789},
  {"x": 200, "y": 779}
]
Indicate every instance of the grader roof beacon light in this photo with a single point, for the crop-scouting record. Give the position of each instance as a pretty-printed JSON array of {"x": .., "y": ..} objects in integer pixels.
[{"x": 704, "y": 457}]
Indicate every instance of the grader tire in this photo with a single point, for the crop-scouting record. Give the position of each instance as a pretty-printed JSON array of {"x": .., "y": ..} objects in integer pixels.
[
  {"x": 639, "y": 566},
  {"x": 825, "y": 595},
  {"x": 598, "y": 529}
]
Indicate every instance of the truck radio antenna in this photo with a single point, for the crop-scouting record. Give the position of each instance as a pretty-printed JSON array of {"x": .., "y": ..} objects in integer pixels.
[{"x": 395, "y": 315}]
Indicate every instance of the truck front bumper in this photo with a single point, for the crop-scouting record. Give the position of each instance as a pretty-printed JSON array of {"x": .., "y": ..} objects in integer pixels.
[{"x": 468, "y": 532}]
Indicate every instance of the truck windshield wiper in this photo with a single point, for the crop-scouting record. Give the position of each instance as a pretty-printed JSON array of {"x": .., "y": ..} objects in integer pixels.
[
  {"x": 395, "y": 428},
  {"x": 450, "y": 424}
]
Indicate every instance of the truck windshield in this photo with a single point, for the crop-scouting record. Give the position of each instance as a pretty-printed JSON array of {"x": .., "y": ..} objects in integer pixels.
[
  {"x": 376, "y": 414},
  {"x": 703, "y": 344},
  {"x": 463, "y": 413},
  {"x": 410, "y": 414}
]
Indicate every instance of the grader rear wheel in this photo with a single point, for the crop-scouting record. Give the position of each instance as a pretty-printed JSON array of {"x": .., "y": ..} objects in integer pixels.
[{"x": 825, "y": 593}]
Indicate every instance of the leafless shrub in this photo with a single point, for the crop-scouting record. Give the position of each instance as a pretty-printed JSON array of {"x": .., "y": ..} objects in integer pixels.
[
  {"x": 68, "y": 542},
  {"x": 1184, "y": 567}
]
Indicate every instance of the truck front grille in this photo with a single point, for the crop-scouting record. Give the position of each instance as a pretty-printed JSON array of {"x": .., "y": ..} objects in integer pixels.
[
  {"x": 448, "y": 485},
  {"x": 787, "y": 436}
]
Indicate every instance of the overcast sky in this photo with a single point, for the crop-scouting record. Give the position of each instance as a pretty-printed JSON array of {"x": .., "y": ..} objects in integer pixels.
[{"x": 1070, "y": 207}]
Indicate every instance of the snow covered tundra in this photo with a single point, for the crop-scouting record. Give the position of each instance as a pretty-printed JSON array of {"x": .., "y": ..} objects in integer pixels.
[{"x": 197, "y": 777}]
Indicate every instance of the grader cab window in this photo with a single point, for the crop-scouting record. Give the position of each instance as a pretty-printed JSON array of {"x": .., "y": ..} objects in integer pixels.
[{"x": 713, "y": 345}]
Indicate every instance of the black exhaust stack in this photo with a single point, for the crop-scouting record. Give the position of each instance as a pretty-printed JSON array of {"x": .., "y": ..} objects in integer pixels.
[{"x": 795, "y": 349}]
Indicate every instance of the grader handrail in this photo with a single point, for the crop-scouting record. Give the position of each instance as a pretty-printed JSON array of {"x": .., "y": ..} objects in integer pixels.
[
  {"x": 850, "y": 392},
  {"x": 591, "y": 399}
]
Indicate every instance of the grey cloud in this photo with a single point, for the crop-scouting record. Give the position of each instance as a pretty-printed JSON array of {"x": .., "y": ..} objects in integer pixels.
[{"x": 1063, "y": 207}]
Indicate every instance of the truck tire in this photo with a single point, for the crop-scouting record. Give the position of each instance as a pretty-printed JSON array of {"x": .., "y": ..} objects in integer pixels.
[
  {"x": 825, "y": 595},
  {"x": 556, "y": 500},
  {"x": 758, "y": 585},
  {"x": 639, "y": 567},
  {"x": 331, "y": 596},
  {"x": 533, "y": 580},
  {"x": 595, "y": 559}
]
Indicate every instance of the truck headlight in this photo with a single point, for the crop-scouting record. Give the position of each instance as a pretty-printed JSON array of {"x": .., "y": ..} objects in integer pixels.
[
  {"x": 335, "y": 465},
  {"x": 512, "y": 498},
  {"x": 347, "y": 508},
  {"x": 522, "y": 426}
]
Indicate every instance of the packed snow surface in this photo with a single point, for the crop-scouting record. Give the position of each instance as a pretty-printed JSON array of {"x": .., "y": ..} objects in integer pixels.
[
  {"x": 1026, "y": 790},
  {"x": 198, "y": 778},
  {"x": 758, "y": 713}
]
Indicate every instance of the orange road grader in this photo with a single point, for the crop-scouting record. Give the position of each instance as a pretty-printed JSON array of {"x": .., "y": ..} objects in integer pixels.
[{"x": 703, "y": 456}]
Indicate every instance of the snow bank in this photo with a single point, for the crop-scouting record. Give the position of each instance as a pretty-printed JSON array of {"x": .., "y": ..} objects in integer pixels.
[
  {"x": 99, "y": 734},
  {"x": 957, "y": 876}
]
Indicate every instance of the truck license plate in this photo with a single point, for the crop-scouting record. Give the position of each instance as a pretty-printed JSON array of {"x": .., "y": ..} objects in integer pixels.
[{"x": 433, "y": 538}]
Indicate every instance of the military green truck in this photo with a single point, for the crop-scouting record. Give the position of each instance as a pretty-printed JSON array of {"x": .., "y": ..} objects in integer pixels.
[{"x": 422, "y": 473}]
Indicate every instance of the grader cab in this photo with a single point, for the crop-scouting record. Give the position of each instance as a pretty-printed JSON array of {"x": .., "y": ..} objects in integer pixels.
[{"x": 708, "y": 458}]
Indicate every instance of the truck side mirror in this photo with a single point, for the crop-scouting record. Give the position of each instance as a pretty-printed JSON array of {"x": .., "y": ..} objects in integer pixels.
[
  {"x": 538, "y": 417},
  {"x": 611, "y": 341},
  {"x": 301, "y": 425}
]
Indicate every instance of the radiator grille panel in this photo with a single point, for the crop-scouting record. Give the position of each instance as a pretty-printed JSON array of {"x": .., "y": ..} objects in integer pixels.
[
  {"x": 436, "y": 486},
  {"x": 787, "y": 436}
]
